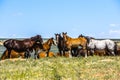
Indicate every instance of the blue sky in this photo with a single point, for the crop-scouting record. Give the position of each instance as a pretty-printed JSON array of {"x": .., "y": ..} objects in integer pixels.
[{"x": 26, "y": 18}]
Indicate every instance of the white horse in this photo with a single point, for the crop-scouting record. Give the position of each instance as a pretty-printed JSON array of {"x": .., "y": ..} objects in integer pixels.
[{"x": 102, "y": 45}]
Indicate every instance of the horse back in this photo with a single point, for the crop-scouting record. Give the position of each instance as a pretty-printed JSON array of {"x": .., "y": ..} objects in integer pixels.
[
  {"x": 18, "y": 45},
  {"x": 77, "y": 41}
]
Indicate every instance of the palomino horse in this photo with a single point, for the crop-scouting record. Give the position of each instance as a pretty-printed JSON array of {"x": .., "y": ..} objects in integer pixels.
[
  {"x": 74, "y": 42},
  {"x": 25, "y": 45},
  {"x": 60, "y": 44},
  {"x": 14, "y": 54},
  {"x": 107, "y": 45},
  {"x": 47, "y": 45}
]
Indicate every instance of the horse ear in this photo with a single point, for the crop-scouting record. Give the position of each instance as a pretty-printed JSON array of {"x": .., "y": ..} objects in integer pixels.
[
  {"x": 52, "y": 38},
  {"x": 81, "y": 35},
  {"x": 55, "y": 33},
  {"x": 62, "y": 33}
]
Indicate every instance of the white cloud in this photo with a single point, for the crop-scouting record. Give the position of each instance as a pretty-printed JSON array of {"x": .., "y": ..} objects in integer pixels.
[
  {"x": 109, "y": 34},
  {"x": 114, "y": 25},
  {"x": 114, "y": 32},
  {"x": 117, "y": 32}
]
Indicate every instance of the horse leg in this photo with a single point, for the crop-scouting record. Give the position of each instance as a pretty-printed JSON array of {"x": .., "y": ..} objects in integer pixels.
[
  {"x": 70, "y": 53},
  {"x": 9, "y": 53},
  {"x": 73, "y": 52},
  {"x": 115, "y": 49},
  {"x": 63, "y": 51},
  {"x": 76, "y": 52},
  {"x": 92, "y": 52},
  {"x": 60, "y": 52},
  {"x": 86, "y": 52},
  {"x": 113, "y": 53},
  {"x": 47, "y": 53},
  {"x": 27, "y": 54},
  {"x": 35, "y": 55}
]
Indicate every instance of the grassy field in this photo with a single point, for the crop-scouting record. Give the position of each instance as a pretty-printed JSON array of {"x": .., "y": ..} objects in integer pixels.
[{"x": 61, "y": 68}]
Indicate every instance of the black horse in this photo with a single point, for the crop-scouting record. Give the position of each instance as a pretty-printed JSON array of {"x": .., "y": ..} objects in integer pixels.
[
  {"x": 60, "y": 44},
  {"x": 25, "y": 45}
]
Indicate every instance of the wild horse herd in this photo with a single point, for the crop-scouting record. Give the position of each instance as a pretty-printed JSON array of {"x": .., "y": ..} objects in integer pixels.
[{"x": 67, "y": 46}]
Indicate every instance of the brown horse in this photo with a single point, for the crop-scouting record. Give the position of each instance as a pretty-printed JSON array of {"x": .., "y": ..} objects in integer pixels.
[
  {"x": 43, "y": 54},
  {"x": 47, "y": 45},
  {"x": 74, "y": 42},
  {"x": 81, "y": 52},
  {"x": 14, "y": 54},
  {"x": 100, "y": 52},
  {"x": 25, "y": 45}
]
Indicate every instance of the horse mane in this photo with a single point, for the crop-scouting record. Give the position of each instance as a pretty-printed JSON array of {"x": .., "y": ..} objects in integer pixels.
[
  {"x": 66, "y": 35},
  {"x": 47, "y": 42},
  {"x": 60, "y": 37},
  {"x": 36, "y": 38},
  {"x": 88, "y": 38}
]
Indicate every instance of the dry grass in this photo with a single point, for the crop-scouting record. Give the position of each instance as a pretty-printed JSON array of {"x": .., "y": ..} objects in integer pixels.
[{"x": 61, "y": 68}]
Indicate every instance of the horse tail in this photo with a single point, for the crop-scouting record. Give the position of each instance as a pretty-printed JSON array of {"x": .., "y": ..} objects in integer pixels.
[
  {"x": 3, "y": 55},
  {"x": 115, "y": 49}
]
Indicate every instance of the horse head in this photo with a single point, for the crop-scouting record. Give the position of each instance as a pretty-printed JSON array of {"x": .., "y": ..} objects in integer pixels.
[
  {"x": 88, "y": 38},
  {"x": 65, "y": 36},
  {"x": 58, "y": 38},
  {"x": 51, "y": 41},
  {"x": 37, "y": 39}
]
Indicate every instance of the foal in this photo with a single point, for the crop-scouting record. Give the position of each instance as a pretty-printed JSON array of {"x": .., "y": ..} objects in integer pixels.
[{"x": 47, "y": 45}]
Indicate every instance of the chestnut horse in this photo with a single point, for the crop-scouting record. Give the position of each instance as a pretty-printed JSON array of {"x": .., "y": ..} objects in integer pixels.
[
  {"x": 47, "y": 45},
  {"x": 25, "y": 45},
  {"x": 43, "y": 54},
  {"x": 74, "y": 42},
  {"x": 14, "y": 54}
]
